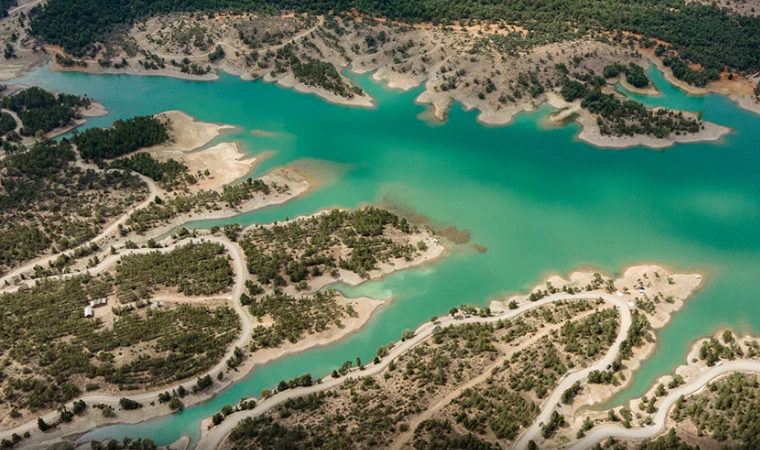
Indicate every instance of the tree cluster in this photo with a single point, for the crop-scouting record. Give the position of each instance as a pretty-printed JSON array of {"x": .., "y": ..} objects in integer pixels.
[
  {"x": 125, "y": 136},
  {"x": 41, "y": 111}
]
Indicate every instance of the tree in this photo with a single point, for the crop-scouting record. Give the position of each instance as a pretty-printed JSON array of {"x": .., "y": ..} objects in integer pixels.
[
  {"x": 175, "y": 404},
  {"x": 407, "y": 334},
  {"x": 42, "y": 425}
]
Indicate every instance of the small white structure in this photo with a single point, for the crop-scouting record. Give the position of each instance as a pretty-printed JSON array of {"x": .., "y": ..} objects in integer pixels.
[
  {"x": 98, "y": 302},
  {"x": 88, "y": 312}
]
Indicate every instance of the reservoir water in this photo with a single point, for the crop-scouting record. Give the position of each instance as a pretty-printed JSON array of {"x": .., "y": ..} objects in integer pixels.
[{"x": 538, "y": 200}]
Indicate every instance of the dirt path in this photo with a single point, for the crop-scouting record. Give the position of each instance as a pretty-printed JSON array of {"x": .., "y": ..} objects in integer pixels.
[
  {"x": 692, "y": 386},
  {"x": 211, "y": 439},
  {"x": 100, "y": 239},
  {"x": 146, "y": 397},
  {"x": 23, "y": 7},
  {"x": 548, "y": 406},
  {"x": 443, "y": 400}
]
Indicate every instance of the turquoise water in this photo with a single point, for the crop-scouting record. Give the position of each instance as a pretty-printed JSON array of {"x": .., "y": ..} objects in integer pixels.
[{"x": 537, "y": 199}]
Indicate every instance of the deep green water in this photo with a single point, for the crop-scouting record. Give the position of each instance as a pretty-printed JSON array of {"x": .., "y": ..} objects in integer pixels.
[{"x": 537, "y": 199}]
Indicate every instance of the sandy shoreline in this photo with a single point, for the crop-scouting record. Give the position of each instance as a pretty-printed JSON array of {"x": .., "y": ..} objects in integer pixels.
[
  {"x": 684, "y": 286},
  {"x": 591, "y": 134},
  {"x": 289, "y": 81},
  {"x": 364, "y": 308},
  {"x": 741, "y": 94},
  {"x": 213, "y": 167},
  {"x": 440, "y": 102}
]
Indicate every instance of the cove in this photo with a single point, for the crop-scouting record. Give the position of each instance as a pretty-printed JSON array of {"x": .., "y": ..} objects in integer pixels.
[{"x": 539, "y": 201}]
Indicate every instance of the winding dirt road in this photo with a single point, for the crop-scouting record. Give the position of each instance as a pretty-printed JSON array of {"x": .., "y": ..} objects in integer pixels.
[
  {"x": 212, "y": 438},
  {"x": 100, "y": 239},
  {"x": 692, "y": 386},
  {"x": 245, "y": 335}
]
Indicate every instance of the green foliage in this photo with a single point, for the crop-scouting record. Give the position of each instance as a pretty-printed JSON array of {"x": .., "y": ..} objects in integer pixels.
[
  {"x": 274, "y": 253},
  {"x": 505, "y": 412},
  {"x": 571, "y": 392},
  {"x": 44, "y": 330},
  {"x": 125, "y": 136},
  {"x": 194, "y": 269},
  {"x": 589, "y": 337},
  {"x": 7, "y": 123},
  {"x": 691, "y": 28},
  {"x": 683, "y": 71},
  {"x": 217, "y": 54},
  {"x": 43, "y": 111},
  {"x": 728, "y": 410},
  {"x": 637, "y": 334},
  {"x": 636, "y": 76},
  {"x": 323, "y": 74},
  {"x": 168, "y": 172},
  {"x": 573, "y": 90},
  {"x": 202, "y": 384},
  {"x": 628, "y": 117},
  {"x": 668, "y": 442},
  {"x": 129, "y": 404},
  {"x": 436, "y": 434},
  {"x": 556, "y": 421},
  {"x": 712, "y": 350},
  {"x": 46, "y": 201},
  {"x": 160, "y": 212},
  {"x": 601, "y": 377},
  {"x": 293, "y": 318}
]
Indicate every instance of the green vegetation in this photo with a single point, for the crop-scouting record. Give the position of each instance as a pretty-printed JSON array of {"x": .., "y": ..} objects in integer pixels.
[
  {"x": 683, "y": 71},
  {"x": 124, "y": 137},
  {"x": 323, "y": 74},
  {"x": 729, "y": 409},
  {"x": 49, "y": 204},
  {"x": 193, "y": 269},
  {"x": 436, "y": 434},
  {"x": 7, "y": 123},
  {"x": 129, "y": 404},
  {"x": 169, "y": 173},
  {"x": 293, "y": 317},
  {"x": 160, "y": 211},
  {"x": 498, "y": 408},
  {"x": 634, "y": 74},
  {"x": 626, "y": 117},
  {"x": 281, "y": 251},
  {"x": 5, "y": 5},
  {"x": 712, "y": 350},
  {"x": 41, "y": 111},
  {"x": 358, "y": 413},
  {"x": 298, "y": 251},
  {"x": 685, "y": 26},
  {"x": 217, "y": 54},
  {"x": 370, "y": 412},
  {"x": 308, "y": 70},
  {"x": 57, "y": 350},
  {"x": 571, "y": 392},
  {"x": 126, "y": 443},
  {"x": 670, "y": 441}
]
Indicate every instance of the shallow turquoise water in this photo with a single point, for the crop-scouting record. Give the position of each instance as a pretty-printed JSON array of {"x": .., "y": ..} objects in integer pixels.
[{"x": 537, "y": 199}]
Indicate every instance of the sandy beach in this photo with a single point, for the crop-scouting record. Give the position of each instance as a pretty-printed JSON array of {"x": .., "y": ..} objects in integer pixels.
[
  {"x": 186, "y": 133},
  {"x": 225, "y": 162}
]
